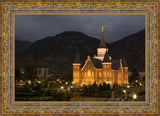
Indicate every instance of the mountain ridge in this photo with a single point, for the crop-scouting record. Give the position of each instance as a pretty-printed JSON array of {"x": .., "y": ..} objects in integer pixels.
[{"x": 58, "y": 52}]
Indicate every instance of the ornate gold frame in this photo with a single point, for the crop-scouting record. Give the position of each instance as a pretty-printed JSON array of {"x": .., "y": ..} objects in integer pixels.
[{"x": 10, "y": 9}]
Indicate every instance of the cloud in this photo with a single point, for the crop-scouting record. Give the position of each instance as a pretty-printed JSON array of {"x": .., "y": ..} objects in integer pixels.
[{"x": 35, "y": 27}]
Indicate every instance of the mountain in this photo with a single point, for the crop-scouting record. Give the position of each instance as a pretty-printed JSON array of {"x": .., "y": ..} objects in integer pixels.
[
  {"x": 21, "y": 46},
  {"x": 58, "y": 52},
  {"x": 132, "y": 48}
]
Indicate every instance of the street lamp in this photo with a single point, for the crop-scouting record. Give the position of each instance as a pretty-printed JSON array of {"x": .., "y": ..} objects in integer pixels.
[
  {"x": 140, "y": 84},
  {"x": 125, "y": 94},
  {"x": 29, "y": 81},
  {"x": 62, "y": 87},
  {"x": 124, "y": 91},
  {"x": 134, "y": 96}
]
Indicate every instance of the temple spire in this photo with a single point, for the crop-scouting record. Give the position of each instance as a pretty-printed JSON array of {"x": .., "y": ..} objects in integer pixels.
[
  {"x": 102, "y": 42},
  {"x": 102, "y": 28}
]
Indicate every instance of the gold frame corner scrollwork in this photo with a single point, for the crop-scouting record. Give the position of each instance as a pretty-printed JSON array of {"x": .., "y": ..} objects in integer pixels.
[{"x": 11, "y": 9}]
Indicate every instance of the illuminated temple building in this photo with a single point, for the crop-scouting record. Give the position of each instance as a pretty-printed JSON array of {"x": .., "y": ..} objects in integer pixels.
[{"x": 101, "y": 68}]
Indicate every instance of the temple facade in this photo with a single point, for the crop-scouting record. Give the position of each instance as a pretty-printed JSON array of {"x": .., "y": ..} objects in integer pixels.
[{"x": 100, "y": 68}]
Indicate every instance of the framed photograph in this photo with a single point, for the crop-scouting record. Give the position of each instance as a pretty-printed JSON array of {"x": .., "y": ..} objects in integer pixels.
[{"x": 79, "y": 57}]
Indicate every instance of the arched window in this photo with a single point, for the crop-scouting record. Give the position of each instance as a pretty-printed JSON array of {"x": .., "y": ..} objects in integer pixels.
[{"x": 89, "y": 73}]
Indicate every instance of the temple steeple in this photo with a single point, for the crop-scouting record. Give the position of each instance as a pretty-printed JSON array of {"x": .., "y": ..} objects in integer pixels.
[
  {"x": 101, "y": 50},
  {"x": 102, "y": 42}
]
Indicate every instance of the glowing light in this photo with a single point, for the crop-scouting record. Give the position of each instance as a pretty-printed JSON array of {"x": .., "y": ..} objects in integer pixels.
[
  {"x": 71, "y": 86},
  {"x": 140, "y": 84},
  {"x": 108, "y": 82},
  {"x": 66, "y": 83},
  {"x": 83, "y": 83},
  {"x": 89, "y": 73},
  {"x": 124, "y": 91},
  {"x": 57, "y": 79},
  {"x": 134, "y": 96},
  {"x": 136, "y": 80},
  {"x": 128, "y": 86},
  {"x": 62, "y": 87},
  {"x": 29, "y": 81}
]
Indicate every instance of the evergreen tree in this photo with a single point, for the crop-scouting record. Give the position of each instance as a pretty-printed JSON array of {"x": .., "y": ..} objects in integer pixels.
[
  {"x": 86, "y": 89},
  {"x": 30, "y": 72},
  {"x": 94, "y": 87},
  {"x": 17, "y": 72},
  {"x": 100, "y": 88},
  {"x": 104, "y": 86},
  {"x": 68, "y": 75},
  {"x": 134, "y": 76},
  {"x": 108, "y": 86},
  {"x": 90, "y": 89}
]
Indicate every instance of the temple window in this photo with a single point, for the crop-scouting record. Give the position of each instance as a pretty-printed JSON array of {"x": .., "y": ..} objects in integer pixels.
[
  {"x": 89, "y": 73},
  {"x": 92, "y": 74}
]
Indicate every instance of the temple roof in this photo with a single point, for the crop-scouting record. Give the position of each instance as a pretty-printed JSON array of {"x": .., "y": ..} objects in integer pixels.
[
  {"x": 97, "y": 63},
  {"x": 106, "y": 58},
  {"x": 77, "y": 58},
  {"x": 115, "y": 64}
]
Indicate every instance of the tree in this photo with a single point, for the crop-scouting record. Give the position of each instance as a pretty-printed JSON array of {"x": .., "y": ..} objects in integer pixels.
[
  {"x": 68, "y": 75},
  {"x": 115, "y": 86},
  {"x": 66, "y": 95},
  {"x": 17, "y": 72},
  {"x": 143, "y": 80},
  {"x": 30, "y": 72},
  {"x": 90, "y": 88},
  {"x": 94, "y": 87},
  {"x": 104, "y": 86},
  {"x": 100, "y": 88},
  {"x": 108, "y": 86},
  {"x": 85, "y": 88},
  {"x": 134, "y": 76}
]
